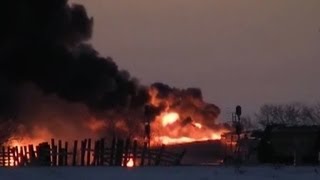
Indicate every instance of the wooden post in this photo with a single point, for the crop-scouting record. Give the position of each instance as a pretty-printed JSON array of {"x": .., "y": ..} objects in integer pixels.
[
  {"x": 37, "y": 155},
  {"x": 22, "y": 157},
  {"x": 66, "y": 153},
  {"x": 96, "y": 154},
  {"x": 112, "y": 152},
  {"x": 134, "y": 152},
  {"x": 13, "y": 156},
  {"x": 44, "y": 156},
  {"x": 144, "y": 150},
  {"x": 53, "y": 153},
  {"x": 83, "y": 151},
  {"x": 9, "y": 156},
  {"x": 32, "y": 155},
  {"x": 89, "y": 152},
  {"x": 60, "y": 153},
  {"x": 119, "y": 152},
  {"x": 27, "y": 154},
  {"x": 17, "y": 159},
  {"x": 3, "y": 156},
  {"x": 101, "y": 151},
  {"x": 159, "y": 155},
  {"x": 74, "y": 153},
  {"x": 126, "y": 150}
]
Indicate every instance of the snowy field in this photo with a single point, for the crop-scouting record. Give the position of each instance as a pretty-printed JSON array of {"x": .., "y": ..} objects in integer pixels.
[{"x": 163, "y": 173}]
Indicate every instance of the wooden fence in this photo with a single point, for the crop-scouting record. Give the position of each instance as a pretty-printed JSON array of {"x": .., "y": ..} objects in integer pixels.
[{"x": 88, "y": 153}]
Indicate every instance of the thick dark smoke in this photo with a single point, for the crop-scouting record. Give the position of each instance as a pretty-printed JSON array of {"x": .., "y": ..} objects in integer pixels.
[
  {"x": 43, "y": 43},
  {"x": 51, "y": 76}
]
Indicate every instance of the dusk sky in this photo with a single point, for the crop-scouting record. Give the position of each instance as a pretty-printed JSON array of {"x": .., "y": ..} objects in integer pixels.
[{"x": 247, "y": 52}]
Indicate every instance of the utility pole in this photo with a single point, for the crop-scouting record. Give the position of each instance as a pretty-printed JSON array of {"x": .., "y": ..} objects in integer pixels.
[{"x": 238, "y": 127}]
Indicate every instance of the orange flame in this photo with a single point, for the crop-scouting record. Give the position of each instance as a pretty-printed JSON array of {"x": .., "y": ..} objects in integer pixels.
[
  {"x": 198, "y": 125},
  {"x": 170, "y": 129},
  {"x": 130, "y": 163},
  {"x": 169, "y": 118}
]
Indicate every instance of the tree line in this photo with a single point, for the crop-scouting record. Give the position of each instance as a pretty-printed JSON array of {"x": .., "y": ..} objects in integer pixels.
[{"x": 291, "y": 114}]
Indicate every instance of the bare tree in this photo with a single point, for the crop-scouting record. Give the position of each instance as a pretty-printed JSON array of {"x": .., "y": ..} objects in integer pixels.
[{"x": 289, "y": 114}]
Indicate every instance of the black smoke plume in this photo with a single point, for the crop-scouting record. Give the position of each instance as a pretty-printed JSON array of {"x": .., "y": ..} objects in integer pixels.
[
  {"x": 43, "y": 43},
  {"x": 51, "y": 77}
]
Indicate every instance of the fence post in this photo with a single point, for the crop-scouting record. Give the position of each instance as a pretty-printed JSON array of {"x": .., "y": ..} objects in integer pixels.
[
  {"x": 95, "y": 153},
  {"x": 53, "y": 153},
  {"x": 32, "y": 155},
  {"x": 66, "y": 147},
  {"x": 3, "y": 156},
  {"x": 126, "y": 152},
  {"x": 83, "y": 151},
  {"x": 119, "y": 152},
  {"x": 9, "y": 156},
  {"x": 134, "y": 152},
  {"x": 15, "y": 156},
  {"x": 102, "y": 152},
  {"x": 74, "y": 153},
  {"x": 22, "y": 157},
  {"x": 144, "y": 150},
  {"x": 89, "y": 152},
  {"x": 60, "y": 153},
  {"x": 112, "y": 153}
]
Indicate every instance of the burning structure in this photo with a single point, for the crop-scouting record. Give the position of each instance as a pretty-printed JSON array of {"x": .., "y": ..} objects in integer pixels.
[{"x": 55, "y": 85}]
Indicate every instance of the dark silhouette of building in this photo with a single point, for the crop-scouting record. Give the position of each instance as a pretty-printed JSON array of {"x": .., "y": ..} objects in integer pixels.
[{"x": 290, "y": 145}]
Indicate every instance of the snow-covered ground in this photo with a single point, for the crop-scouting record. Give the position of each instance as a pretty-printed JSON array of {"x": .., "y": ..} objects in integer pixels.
[{"x": 162, "y": 173}]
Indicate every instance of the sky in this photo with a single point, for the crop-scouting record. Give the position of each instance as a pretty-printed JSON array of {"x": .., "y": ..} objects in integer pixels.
[{"x": 247, "y": 52}]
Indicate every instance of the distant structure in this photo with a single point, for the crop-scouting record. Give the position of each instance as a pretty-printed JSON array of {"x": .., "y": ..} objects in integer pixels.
[{"x": 291, "y": 145}]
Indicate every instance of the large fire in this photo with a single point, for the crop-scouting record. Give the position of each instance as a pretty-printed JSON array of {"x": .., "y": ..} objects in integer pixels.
[
  {"x": 191, "y": 121},
  {"x": 169, "y": 128},
  {"x": 185, "y": 117}
]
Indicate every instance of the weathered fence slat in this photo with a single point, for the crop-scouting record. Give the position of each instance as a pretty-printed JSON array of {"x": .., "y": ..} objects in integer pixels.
[
  {"x": 83, "y": 151},
  {"x": 66, "y": 146},
  {"x": 119, "y": 153},
  {"x": 89, "y": 152},
  {"x": 144, "y": 151},
  {"x": 101, "y": 151},
  {"x": 134, "y": 152},
  {"x": 126, "y": 152},
  {"x": 74, "y": 153},
  {"x": 112, "y": 153}
]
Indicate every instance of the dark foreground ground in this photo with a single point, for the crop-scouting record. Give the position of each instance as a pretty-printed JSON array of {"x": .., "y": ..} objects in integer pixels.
[{"x": 163, "y": 173}]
